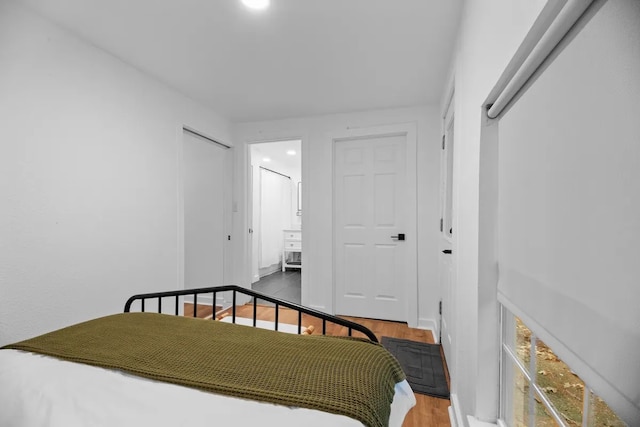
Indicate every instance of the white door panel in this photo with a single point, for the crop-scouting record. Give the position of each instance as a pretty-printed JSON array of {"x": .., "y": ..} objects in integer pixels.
[
  {"x": 446, "y": 260},
  {"x": 206, "y": 200},
  {"x": 370, "y": 200}
]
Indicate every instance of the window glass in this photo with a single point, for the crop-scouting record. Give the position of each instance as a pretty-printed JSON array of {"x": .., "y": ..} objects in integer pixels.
[
  {"x": 523, "y": 342},
  {"x": 543, "y": 416},
  {"x": 561, "y": 386},
  {"x": 556, "y": 392},
  {"x": 601, "y": 415},
  {"x": 519, "y": 398}
]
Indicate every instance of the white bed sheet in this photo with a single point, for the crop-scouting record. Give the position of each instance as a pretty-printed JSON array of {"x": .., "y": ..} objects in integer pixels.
[{"x": 37, "y": 390}]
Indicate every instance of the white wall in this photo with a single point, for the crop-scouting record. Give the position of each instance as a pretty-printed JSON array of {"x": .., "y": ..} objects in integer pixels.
[
  {"x": 280, "y": 162},
  {"x": 490, "y": 33},
  {"x": 317, "y": 189},
  {"x": 89, "y": 178}
]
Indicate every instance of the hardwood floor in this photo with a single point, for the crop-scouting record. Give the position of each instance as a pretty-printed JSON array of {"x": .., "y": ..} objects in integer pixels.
[
  {"x": 202, "y": 311},
  {"x": 429, "y": 411}
]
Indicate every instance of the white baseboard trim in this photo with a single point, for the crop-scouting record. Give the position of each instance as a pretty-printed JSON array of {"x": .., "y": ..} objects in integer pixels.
[
  {"x": 429, "y": 325},
  {"x": 452, "y": 417},
  {"x": 202, "y": 299},
  {"x": 265, "y": 271},
  {"x": 455, "y": 414},
  {"x": 474, "y": 422},
  {"x": 208, "y": 300},
  {"x": 458, "y": 420},
  {"x": 241, "y": 299}
]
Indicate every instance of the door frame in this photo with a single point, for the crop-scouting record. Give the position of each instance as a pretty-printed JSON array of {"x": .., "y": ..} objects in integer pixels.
[
  {"x": 248, "y": 270},
  {"x": 409, "y": 131}
]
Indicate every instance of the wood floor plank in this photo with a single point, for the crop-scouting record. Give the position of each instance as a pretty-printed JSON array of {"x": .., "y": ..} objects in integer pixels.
[{"x": 202, "y": 310}]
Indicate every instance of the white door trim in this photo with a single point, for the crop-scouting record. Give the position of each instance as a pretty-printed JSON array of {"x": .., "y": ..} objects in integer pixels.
[
  {"x": 409, "y": 130},
  {"x": 246, "y": 161}
]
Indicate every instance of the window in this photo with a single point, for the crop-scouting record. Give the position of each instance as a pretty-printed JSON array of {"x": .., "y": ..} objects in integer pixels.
[{"x": 539, "y": 389}]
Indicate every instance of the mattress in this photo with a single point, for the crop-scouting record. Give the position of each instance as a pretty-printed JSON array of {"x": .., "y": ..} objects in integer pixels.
[{"x": 38, "y": 390}]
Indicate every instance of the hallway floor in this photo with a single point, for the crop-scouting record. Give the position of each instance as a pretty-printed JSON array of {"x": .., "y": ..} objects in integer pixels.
[{"x": 284, "y": 285}]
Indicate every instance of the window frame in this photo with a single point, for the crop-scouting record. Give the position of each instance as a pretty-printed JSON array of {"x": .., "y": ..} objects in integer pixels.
[{"x": 510, "y": 362}]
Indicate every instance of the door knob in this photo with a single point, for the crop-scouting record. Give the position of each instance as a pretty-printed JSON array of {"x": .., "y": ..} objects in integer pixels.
[
  {"x": 400, "y": 236},
  {"x": 446, "y": 251}
]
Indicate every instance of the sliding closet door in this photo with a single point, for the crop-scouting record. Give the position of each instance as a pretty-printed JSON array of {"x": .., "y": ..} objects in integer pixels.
[{"x": 206, "y": 200}]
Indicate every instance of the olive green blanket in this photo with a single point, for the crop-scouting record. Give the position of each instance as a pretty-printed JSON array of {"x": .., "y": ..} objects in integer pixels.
[{"x": 351, "y": 377}]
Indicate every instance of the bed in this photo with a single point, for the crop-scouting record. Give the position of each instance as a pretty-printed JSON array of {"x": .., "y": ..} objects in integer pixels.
[{"x": 141, "y": 368}]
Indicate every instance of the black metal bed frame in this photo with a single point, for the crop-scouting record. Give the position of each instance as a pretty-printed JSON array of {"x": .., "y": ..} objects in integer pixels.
[{"x": 351, "y": 326}]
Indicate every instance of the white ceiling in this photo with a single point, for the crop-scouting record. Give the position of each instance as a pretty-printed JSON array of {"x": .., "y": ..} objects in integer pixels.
[
  {"x": 280, "y": 161},
  {"x": 298, "y": 58}
]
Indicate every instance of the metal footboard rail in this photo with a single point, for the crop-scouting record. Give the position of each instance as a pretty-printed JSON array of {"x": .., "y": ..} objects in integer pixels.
[{"x": 326, "y": 318}]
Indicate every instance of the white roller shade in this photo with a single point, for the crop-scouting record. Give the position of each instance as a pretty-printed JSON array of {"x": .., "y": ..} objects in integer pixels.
[{"x": 569, "y": 206}]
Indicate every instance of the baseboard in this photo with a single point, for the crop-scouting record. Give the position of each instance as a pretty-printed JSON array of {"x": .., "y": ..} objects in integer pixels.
[
  {"x": 265, "y": 271},
  {"x": 202, "y": 299},
  {"x": 429, "y": 325},
  {"x": 474, "y": 422},
  {"x": 452, "y": 417},
  {"x": 458, "y": 420},
  {"x": 455, "y": 414},
  {"x": 208, "y": 300}
]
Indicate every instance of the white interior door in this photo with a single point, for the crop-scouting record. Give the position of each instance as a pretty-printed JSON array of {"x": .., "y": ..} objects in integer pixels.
[
  {"x": 373, "y": 202},
  {"x": 445, "y": 267},
  {"x": 206, "y": 205}
]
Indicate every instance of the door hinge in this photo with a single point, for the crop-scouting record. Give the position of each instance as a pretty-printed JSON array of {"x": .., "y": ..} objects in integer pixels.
[
  {"x": 440, "y": 307},
  {"x": 443, "y": 142},
  {"x": 441, "y": 225},
  {"x": 229, "y": 237}
]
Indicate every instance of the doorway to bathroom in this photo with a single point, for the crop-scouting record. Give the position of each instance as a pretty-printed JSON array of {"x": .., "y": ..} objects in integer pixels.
[{"x": 276, "y": 218}]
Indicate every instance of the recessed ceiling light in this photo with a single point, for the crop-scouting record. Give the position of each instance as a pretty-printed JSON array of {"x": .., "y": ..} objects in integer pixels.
[
  {"x": 256, "y": 4},
  {"x": 291, "y": 152},
  {"x": 266, "y": 160}
]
